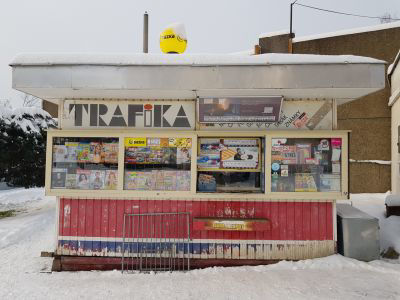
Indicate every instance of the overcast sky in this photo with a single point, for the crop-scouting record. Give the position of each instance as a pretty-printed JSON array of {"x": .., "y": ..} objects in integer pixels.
[{"x": 213, "y": 26}]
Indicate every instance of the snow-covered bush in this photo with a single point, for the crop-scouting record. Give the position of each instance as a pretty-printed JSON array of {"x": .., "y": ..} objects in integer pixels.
[{"x": 23, "y": 145}]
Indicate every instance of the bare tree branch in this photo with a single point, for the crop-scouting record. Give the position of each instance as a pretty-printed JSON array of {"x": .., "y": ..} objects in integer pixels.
[{"x": 30, "y": 101}]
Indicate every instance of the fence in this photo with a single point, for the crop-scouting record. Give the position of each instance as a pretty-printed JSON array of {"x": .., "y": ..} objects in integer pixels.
[{"x": 156, "y": 242}]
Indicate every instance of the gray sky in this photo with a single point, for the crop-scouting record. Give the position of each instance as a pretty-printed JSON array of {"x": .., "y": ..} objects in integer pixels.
[{"x": 212, "y": 26}]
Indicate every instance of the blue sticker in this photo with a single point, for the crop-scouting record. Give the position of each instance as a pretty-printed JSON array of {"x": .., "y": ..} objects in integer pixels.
[{"x": 275, "y": 167}]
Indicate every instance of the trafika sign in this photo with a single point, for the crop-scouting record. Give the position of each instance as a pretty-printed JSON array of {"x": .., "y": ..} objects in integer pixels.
[{"x": 128, "y": 114}]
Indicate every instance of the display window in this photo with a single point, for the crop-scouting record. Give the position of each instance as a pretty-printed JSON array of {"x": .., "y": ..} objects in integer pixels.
[
  {"x": 84, "y": 163},
  {"x": 157, "y": 164},
  {"x": 306, "y": 164},
  {"x": 231, "y": 165}
]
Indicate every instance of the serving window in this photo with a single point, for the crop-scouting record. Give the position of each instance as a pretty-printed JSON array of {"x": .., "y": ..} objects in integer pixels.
[
  {"x": 306, "y": 165},
  {"x": 231, "y": 165},
  {"x": 85, "y": 163},
  {"x": 157, "y": 164}
]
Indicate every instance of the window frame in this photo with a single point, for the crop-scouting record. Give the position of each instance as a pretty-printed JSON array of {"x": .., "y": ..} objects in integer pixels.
[{"x": 120, "y": 193}]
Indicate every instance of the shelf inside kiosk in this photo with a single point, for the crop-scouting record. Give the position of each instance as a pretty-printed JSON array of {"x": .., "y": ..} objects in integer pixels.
[
  {"x": 84, "y": 163},
  {"x": 157, "y": 164},
  {"x": 231, "y": 165},
  {"x": 306, "y": 165}
]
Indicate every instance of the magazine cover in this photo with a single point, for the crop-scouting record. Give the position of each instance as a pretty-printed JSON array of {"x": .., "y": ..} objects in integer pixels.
[
  {"x": 206, "y": 183},
  {"x": 169, "y": 180},
  {"x": 304, "y": 182},
  {"x": 96, "y": 180},
  {"x": 95, "y": 152},
  {"x": 58, "y": 178},
  {"x": 329, "y": 183},
  {"x": 72, "y": 149},
  {"x": 183, "y": 155},
  {"x": 83, "y": 152},
  {"x": 111, "y": 180},
  {"x": 59, "y": 153},
  {"x": 303, "y": 151},
  {"x": 183, "y": 180},
  {"x": 70, "y": 181},
  {"x": 208, "y": 161},
  {"x": 142, "y": 181},
  {"x": 110, "y": 153},
  {"x": 159, "y": 180},
  {"x": 82, "y": 179}
]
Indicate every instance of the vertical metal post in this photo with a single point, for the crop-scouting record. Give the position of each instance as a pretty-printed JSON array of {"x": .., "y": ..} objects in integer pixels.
[{"x": 146, "y": 33}]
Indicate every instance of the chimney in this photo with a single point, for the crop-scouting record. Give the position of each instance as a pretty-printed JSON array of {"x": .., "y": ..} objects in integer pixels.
[{"x": 146, "y": 33}]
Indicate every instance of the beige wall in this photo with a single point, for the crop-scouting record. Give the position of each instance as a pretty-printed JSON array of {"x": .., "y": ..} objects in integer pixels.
[{"x": 395, "y": 82}]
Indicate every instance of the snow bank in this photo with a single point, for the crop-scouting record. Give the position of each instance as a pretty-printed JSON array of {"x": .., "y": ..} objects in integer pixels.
[
  {"x": 348, "y": 32},
  {"x": 379, "y": 162},
  {"x": 29, "y": 119},
  {"x": 45, "y": 59},
  {"x": 392, "y": 200}
]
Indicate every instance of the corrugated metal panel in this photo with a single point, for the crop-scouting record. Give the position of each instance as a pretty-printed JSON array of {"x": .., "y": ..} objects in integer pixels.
[{"x": 94, "y": 227}]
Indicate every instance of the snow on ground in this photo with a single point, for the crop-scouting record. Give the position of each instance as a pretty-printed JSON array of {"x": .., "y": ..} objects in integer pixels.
[{"x": 23, "y": 237}]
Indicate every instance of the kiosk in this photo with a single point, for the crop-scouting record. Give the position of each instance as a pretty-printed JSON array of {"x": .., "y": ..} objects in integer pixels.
[{"x": 173, "y": 162}]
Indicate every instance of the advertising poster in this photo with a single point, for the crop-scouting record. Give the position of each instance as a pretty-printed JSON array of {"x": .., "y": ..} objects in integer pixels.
[
  {"x": 239, "y": 109},
  {"x": 58, "y": 177},
  {"x": 111, "y": 180},
  {"x": 294, "y": 115},
  {"x": 96, "y": 180}
]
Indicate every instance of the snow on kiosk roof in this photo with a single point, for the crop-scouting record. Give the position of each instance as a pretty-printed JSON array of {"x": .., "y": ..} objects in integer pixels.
[{"x": 158, "y": 76}]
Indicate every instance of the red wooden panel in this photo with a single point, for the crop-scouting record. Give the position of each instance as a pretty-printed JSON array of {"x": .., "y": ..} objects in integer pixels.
[
  {"x": 74, "y": 217},
  {"x": 275, "y": 220},
  {"x": 97, "y": 218},
  {"x": 204, "y": 233},
  {"x": 104, "y": 223},
  {"x": 89, "y": 224},
  {"x": 329, "y": 221},
  {"x": 267, "y": 214},
  {"x": 322, "y": 220},
  {"x": 235, "y": 207},
  {"x": 112, "y": 221},
  {"x": 211, "y": 213},
  {"x": 282, "y": 221},
  {"x": 196, "y": 205},
  {"x": 61, "y": 221},
  {"x": 306, "y": 221},
  {"x": 314, "y": 220},
  {"x": 82, "y": 217},
  {"x": 290, "y": 221},
  {"x": 182, "y": 220},
  {"x": 298, "y": 221},
  {"x": 120, "y": 218},
  {"x": 243, "y": 235}
]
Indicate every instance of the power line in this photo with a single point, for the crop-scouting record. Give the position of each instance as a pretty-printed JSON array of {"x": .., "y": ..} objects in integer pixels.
[{"x": 343, "y": 13}]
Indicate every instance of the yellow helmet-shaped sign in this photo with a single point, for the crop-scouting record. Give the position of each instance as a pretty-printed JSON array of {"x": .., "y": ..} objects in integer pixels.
[{"x": 173, "y": 39}]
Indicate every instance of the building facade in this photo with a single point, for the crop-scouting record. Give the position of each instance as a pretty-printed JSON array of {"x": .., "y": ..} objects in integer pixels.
[{"x": 368, "y": 118}]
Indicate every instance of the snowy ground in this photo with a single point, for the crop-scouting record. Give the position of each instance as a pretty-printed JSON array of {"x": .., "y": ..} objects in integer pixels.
[{"x": 21, "y": 269}]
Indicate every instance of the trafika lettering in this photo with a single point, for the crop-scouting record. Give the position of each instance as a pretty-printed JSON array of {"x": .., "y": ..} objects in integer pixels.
[{"x": 138, "y": 115}]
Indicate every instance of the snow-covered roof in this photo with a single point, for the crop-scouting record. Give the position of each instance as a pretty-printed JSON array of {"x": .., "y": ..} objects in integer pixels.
[
  {"x": 347, "y": 32},
  {"x": 274, "y": 33},
  {"x": 41, "y": 59}
]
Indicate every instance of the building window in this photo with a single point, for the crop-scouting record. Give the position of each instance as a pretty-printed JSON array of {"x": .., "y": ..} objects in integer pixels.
[
  {"x": 85, "y": 163},
  {"x": 231, "y": 165},
  {"x": 306, "y": 165},
  {"x": 157, "y": 164}
]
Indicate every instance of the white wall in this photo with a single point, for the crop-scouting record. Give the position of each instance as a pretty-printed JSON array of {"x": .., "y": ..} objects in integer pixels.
[{"x": 395, "y": 88}]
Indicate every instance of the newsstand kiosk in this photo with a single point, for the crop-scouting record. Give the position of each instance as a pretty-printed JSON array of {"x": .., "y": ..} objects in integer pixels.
[{"x": 167, "y": 162}]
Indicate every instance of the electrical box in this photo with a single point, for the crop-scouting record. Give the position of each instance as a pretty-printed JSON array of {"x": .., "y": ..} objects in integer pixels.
[{"x": 358, "y": 233}]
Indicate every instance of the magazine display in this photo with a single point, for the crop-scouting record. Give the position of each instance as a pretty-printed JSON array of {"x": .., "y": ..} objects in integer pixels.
[
  {"x": 159, "y": 164},
  {"x": 87, "y": 161},
  {"x": 306, "y": 165}
]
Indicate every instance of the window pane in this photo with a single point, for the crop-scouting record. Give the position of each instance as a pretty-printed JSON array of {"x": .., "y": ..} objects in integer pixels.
[
  {"x": 158, "y": 164},
  {"x": 230, "y": 165},
  {"x": 85, "y": 163},
  {"x": 306, "y": 165}
]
